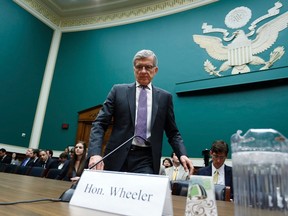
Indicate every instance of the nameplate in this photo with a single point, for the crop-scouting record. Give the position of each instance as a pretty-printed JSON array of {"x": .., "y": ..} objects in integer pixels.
[
  {"x": 124, "y": 193},
  {"x": 201, "y": 197}
]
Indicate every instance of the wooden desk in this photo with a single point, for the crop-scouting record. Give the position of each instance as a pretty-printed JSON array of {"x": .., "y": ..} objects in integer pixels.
[{"x": 16, "y": 187}]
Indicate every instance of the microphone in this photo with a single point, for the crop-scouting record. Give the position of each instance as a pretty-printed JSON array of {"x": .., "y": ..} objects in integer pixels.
[{"x": 67, "y": 195}]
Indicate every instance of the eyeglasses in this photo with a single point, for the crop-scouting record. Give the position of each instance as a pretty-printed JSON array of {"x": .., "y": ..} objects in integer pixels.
[
  {"x": 218, "y": 157},
  {"x": 147, "y": 67}
]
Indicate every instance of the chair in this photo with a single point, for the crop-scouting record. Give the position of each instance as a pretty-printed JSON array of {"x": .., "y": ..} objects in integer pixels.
[
  {"x": 53, "y": 173},
  {"x": 37, "y": 171},
  {"x": 22, "y": 170},
  {"x": 11, "y": 168},
  {"x": 3, "y": 167},
  {"x": 179, "y": 187},
  {"x": 222, "y": 192}
]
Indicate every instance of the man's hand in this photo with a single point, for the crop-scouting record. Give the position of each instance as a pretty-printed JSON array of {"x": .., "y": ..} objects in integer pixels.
[
  {"x": 75, "y": 179},
  {"x": 93, "y": 160},
  {"x": 187, "y": 164}
]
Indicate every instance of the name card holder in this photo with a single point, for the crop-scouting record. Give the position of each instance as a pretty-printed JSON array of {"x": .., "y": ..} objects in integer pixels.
[
  {"x": 124, "y": 193},
  {"x": 201, "y": 197}
]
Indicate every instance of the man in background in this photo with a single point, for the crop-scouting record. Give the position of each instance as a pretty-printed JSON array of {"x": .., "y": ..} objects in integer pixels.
[
  {"x": 47, "y": 162},
  {"x": 176, "y": 172},
  {"x": 29, "y": 155},
  {"x": 4, "y": 158},
  {"x": 221, "y": 173}
]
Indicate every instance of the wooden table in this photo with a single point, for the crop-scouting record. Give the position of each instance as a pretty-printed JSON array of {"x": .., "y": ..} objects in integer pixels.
[{"x": 16, "y": 187}]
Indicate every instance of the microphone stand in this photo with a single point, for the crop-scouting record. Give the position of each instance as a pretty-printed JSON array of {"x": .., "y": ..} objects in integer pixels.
[
  {"x": 67, "y": 195},
  {"x": 120, "y": 146}
]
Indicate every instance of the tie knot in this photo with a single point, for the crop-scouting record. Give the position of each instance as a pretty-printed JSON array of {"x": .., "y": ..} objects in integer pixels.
[{"x": 143, "y": 86}]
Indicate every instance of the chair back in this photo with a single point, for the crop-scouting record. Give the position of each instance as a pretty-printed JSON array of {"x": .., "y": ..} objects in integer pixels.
[
  {"x": 222, "y": 192},
  {"x": 22, "y": 170},
  {"x": 53, "y": 173},
  {"x": 179, "y": 187},
  {"x": 11, "y": 168},
  {"x": 3, "y": 167},
  {"x": 37, "y": 171}
]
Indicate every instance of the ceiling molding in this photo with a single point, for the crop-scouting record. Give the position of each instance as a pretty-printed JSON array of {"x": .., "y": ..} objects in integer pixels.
[{"x": 108, "y": 19}]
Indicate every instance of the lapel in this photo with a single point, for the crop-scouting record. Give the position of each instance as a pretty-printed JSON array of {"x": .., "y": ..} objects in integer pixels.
[{"x": 155, "y": 103}]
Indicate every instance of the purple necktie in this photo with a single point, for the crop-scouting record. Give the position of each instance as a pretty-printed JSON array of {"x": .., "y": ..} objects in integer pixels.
[{"x": 141, "y": 125}]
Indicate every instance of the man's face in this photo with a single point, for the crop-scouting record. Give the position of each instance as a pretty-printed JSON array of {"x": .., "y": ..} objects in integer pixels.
[
  {"x": 145, "y": 70},
  {"x": 43, "y": 155},
  {"x": 218, "y": 159},
  {"x": 29, "y": 153},
  {"x": 1, "y": 153}
]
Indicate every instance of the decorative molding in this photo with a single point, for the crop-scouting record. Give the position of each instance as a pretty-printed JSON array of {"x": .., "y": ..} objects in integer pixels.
[
  {"x": 129, "y": 15},
  {"x": 40, "y": 11}
]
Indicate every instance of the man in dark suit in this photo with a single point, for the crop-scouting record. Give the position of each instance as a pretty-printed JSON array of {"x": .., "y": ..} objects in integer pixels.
[
  {"x": 47, "y": 162},
  {"x": 34, "y": 160},
  {"x": 121, "y": 106},
  {"x": 29, "y": 155},
  {"x": 4, "y": 158},
  {"x": 222, "y": 174}
]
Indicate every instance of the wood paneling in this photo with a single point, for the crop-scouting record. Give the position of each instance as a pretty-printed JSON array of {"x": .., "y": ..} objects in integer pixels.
[{"x": 85, "y": 119}]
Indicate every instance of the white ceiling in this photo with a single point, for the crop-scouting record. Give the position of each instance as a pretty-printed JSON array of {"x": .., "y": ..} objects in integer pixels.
[
  {"x": 79, "y": 15},
  {"x": 68, "y": 8}
]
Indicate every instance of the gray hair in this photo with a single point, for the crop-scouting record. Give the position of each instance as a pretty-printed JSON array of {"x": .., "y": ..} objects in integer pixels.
[{"x": 145, "y": 54}]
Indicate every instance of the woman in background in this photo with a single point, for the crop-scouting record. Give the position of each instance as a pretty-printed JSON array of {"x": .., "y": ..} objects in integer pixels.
[
  {"x": 77, "y": 164},
  {"x": 15, "y": 160}
]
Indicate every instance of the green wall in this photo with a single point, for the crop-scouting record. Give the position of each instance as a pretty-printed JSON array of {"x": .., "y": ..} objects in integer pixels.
[
  {"x": 90, "y": 62},
  {"x": 25, "y": 42}
]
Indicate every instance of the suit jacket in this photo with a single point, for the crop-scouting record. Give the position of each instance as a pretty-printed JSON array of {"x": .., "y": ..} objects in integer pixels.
[
  {"x": 6, "y": 159},
  {"x": 26, "y": 160},
  {"x": 121, "y": 106},
  {"x": 49, "y": 164},
  {"x": 34, "y": 162},
  {"x": 207, "y": 171},
  {"x": 182, "y": 175}
]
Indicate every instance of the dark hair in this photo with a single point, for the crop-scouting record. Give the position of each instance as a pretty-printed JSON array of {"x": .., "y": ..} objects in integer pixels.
[
  {"x": 169, "y": 160},
  {"x": 50, "y": 152},
  {"x": 63, "y": 155},
  {"x": 82, "y": 164},
  {"x": 3, "y": 150},
  {"x": 219, "y": 146},
  {"x": 36, "y": 151}
]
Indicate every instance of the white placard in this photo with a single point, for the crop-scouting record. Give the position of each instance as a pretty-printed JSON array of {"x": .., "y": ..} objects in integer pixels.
[{"x": 124, "y": 193}]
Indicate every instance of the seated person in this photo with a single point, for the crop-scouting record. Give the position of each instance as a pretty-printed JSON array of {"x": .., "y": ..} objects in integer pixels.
[
  {"x": 34, "y": 160},
  {"x": 63, "y": 160},
  {"x": 176, "y": 172},
  {"x": 46, "y": 161},
  {"x": 15, "y": 160},
  {"x": 76, "y": 165},
  {"x": 4, "y": 158},
  {"x": 167, "y": 162},
  {"x": 222, "y": 174}
]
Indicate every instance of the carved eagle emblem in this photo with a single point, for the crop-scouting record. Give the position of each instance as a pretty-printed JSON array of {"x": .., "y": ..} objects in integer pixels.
[{"x": 241, "y": 50}]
